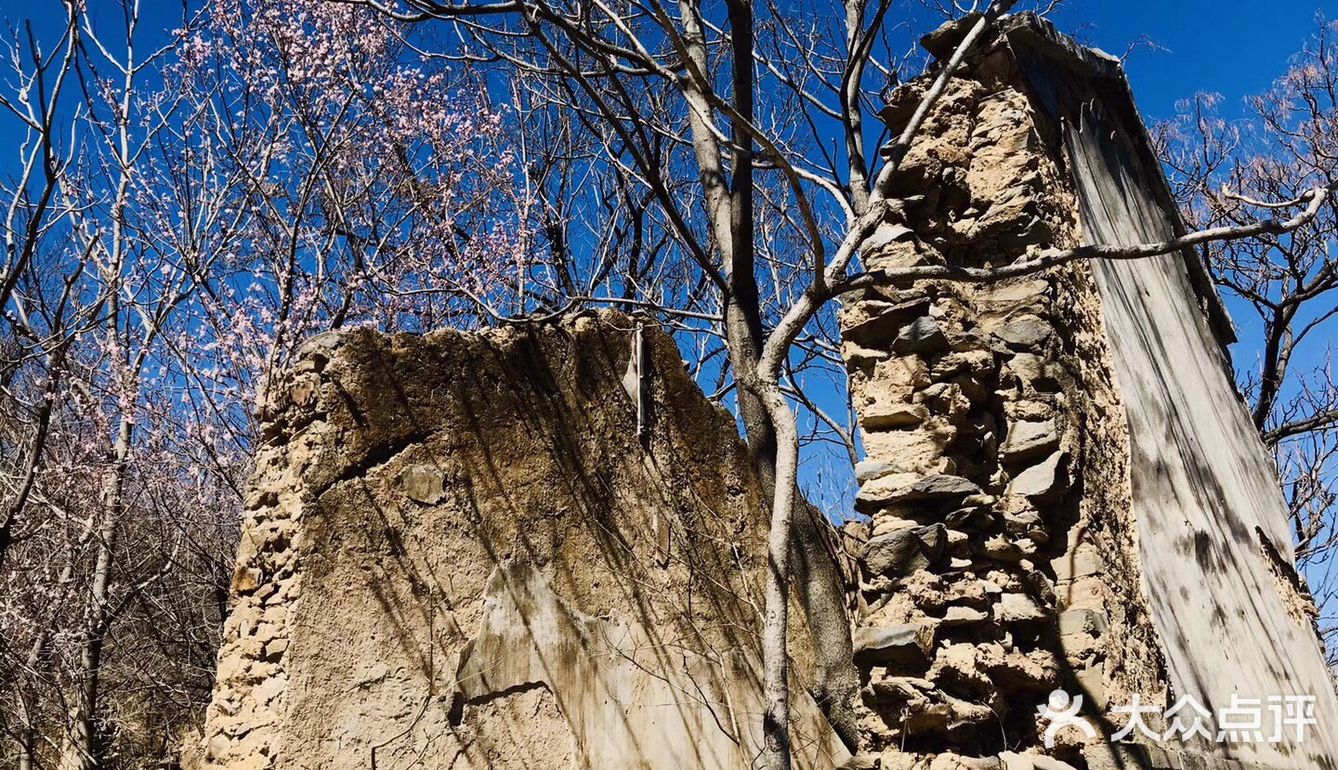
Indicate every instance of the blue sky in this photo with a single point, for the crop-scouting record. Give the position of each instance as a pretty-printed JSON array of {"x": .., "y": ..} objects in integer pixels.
[
  {"x": 1229, "y": 46},
  {"x": 1232, "y": 47}
]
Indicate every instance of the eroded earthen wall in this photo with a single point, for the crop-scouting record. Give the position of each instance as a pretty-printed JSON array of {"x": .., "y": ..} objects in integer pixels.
[
  {"x": 1235, "y": 621},
  {"x": 467, "y": 551}
]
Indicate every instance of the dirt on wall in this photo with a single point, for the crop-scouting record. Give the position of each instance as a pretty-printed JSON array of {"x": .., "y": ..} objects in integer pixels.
[{"x": 478, "y": 551}]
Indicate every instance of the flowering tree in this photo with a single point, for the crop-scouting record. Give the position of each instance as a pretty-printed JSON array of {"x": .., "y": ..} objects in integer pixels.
[{"x": 190, "y": 208}]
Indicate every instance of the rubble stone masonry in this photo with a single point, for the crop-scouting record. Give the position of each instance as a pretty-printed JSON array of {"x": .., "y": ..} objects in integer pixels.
[
  {"x": 1000, "y": 559},
  {"x": 994, "y": 453}
]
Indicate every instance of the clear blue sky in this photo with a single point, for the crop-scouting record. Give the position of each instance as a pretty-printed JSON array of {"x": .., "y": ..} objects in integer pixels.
[{"x": 1231, "y": 47}]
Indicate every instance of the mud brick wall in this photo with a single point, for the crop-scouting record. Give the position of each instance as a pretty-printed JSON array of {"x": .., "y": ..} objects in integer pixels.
[{"x": 469, "y": 551}]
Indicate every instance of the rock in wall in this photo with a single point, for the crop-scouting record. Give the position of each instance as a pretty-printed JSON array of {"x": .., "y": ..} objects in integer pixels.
[
  {"x": 478, "y": 551},
  {"x": 1046, "y": 506},
  {"x": 985, "y": 479}
]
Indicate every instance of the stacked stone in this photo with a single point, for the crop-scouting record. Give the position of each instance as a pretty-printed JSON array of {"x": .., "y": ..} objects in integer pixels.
[
  {"x": 252, "y": 681},
  {"x": 970, "y": 444},
  {"x": 968, "y": 399}
]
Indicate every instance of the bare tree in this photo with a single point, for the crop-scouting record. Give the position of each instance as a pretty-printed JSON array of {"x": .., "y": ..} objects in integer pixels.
[
  {"x": 188, "y": 207},
  {"x": 188, "y": 211},
  {"x": 31, "y": 211}
]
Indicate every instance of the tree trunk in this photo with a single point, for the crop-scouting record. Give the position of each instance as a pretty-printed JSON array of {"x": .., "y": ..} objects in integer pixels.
[
  {"x": 33, "y": 461},
  {"x": 729, "y": 211},
  {"x": 812, "y": 562},
  {"x": 775, "y": 659},
  {"x": 820, "y": 588},
  {"x": 24, "y": 704},
  {"x": 84, "y": 750}
]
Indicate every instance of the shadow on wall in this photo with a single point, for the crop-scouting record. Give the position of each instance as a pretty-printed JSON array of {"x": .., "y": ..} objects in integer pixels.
[
  {"x": 1205, "y": 494},
  {"x": 502, "y": 575}
]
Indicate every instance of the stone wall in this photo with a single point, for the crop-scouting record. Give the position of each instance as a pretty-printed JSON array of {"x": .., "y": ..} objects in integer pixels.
[
  {"x": 1014, "y": 434},
  {"x": 475, "y": 551},
  {"x": 984, "y": 586}
]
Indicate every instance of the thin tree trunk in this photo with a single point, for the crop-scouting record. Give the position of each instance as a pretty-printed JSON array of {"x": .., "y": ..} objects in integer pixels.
[
  {"x": 85, "y": 750},
  {"x": 39, "y": 663},
  {"x": 811, "y": 564},
  {"x": 820, "y": 588},
  {"x": 1276, "y": 356},
  {"x": 33, "y": 461},
  {"x": 24, "y": 705},
  {"x": 775, "y": 658}
]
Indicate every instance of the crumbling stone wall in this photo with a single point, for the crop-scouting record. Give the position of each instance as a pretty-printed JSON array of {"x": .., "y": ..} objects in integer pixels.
[
  {"x": 469, "y": 551},
  {"x": 983, "y": 585},
  {"x": 1002, "y": 556},
  {"x": 542, "y": 547}
]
